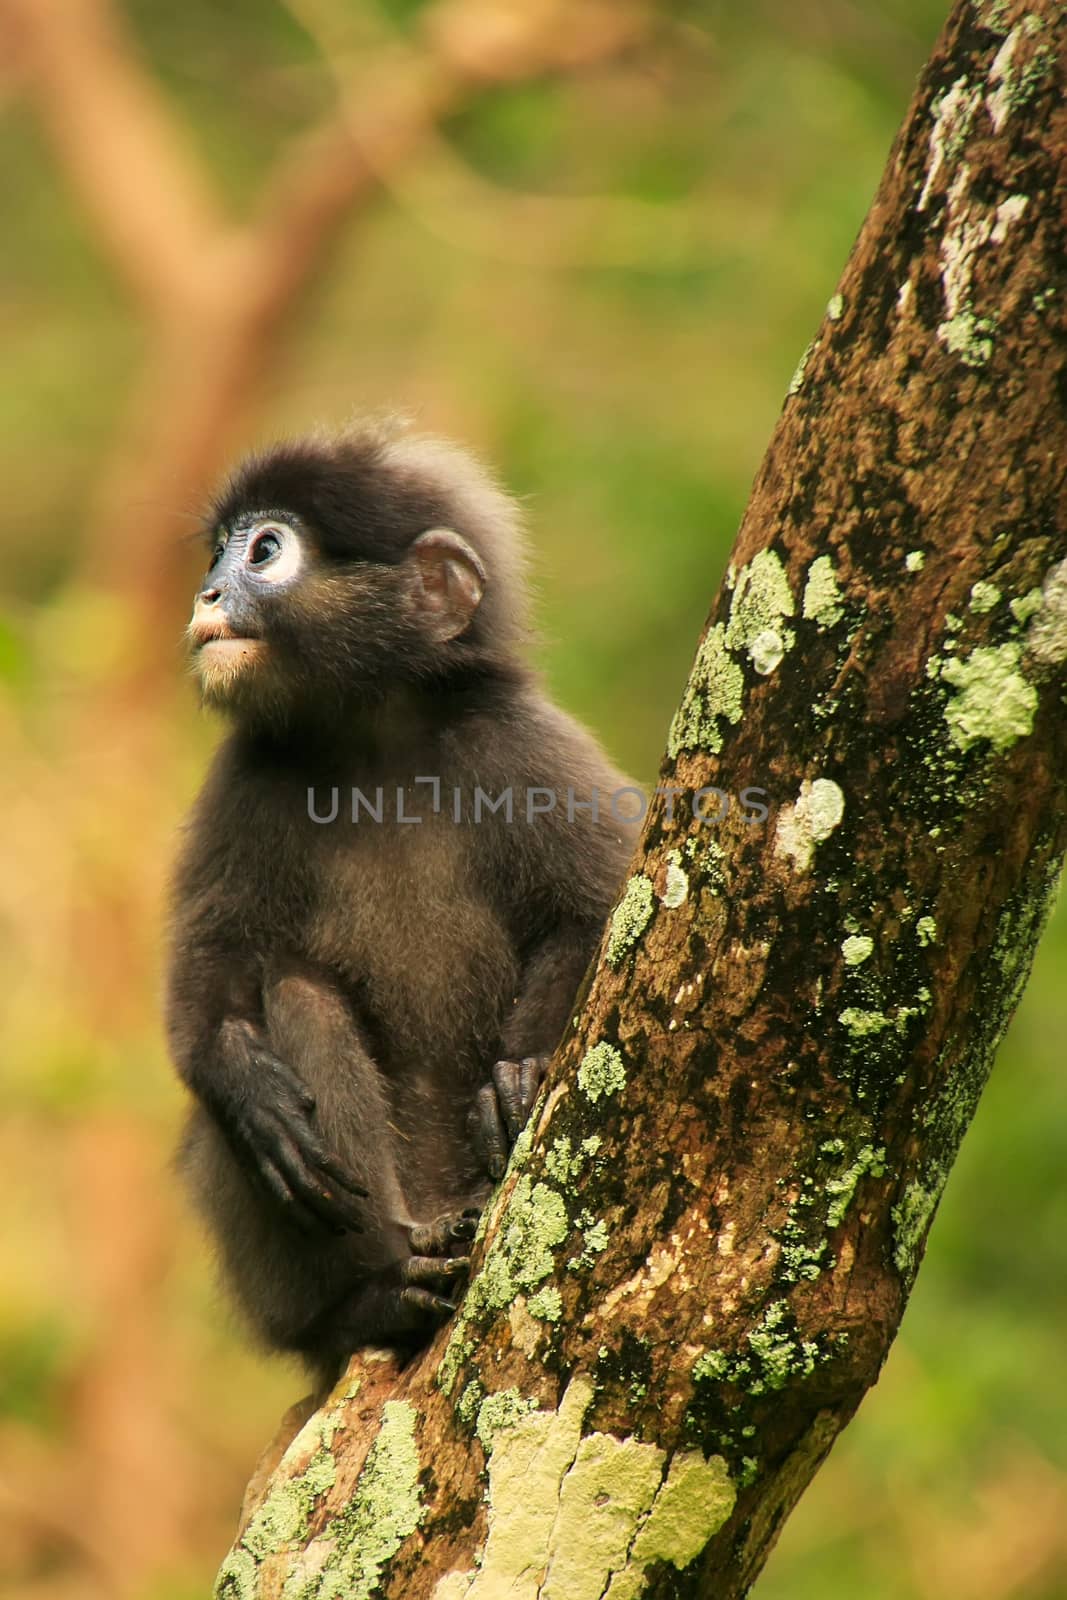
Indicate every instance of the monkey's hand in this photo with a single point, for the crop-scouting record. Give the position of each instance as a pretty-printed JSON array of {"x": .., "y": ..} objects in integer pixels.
[
  {"x": 271, "y": 1128},
  {"x": 502, "y": 1109}
]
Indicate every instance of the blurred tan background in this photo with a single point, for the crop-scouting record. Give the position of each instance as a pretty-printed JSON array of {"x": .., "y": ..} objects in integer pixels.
[{"x": 592, "y": 243}]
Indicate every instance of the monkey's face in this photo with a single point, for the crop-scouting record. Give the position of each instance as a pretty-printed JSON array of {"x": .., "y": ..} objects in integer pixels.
[
  {"x": 282, "y": 628},
  {"x": 255, "y": 562}
]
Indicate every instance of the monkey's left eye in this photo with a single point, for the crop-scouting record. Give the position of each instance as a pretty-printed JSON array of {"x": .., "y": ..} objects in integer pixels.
[{"x": 264, "y": 549}]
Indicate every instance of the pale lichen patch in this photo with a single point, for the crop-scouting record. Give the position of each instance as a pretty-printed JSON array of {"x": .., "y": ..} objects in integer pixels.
[
  {"x": 766, "y": 651},
  {"x": 546, "y": 1305},
  {"x": 842, "y": 1189},
  {"x": 953, "y": 113},
  {"x": 1046, "y": 638},
  {"x": 823, "y": 598},
  {"x": 1024, "y": 606},
  {"x": 573, "y": 1518},
  {"x": 1008, "y": 212},
  {"x": 967, "y": 230},
  {"x": 816, "y": 812},
  {"x": 760, "y": 602},
  {"x": 914, "y": 560},
  {"x": 863, "y": 1024},
  {"x": 676, "y": 887},
  {"x": 998, "y": 101},
  {"x": 499, "y": 1411},
  {"x": 690, "y": 1507},
  {"x": 797, "y": 380},
  {"x": 1020, "y": 68}
]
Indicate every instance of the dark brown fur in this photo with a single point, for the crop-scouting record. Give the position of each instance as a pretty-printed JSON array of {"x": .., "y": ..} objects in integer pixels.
[{"x": 388, "y": 965}]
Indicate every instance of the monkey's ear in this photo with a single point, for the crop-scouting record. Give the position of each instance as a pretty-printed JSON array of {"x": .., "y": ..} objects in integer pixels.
[{"x": 447, "y": 582}]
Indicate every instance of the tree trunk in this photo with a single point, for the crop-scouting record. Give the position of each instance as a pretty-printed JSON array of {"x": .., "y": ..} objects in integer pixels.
[{"x": 702, "y": 1250}]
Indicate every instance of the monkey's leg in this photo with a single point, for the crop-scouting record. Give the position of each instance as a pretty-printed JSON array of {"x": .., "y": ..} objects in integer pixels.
[
  {"x": 403, "y": 1274},
  {"x": 312, "y": 1026}
]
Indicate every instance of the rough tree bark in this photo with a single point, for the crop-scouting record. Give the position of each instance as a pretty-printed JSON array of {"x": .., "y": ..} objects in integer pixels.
[{"x": 701, "y": 1252}]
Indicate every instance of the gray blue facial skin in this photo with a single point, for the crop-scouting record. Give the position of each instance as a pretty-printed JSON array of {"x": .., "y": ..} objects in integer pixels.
[{"x": 259, "y": 554}]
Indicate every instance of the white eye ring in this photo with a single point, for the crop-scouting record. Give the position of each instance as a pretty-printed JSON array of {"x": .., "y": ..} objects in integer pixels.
[{"x": 284, "y": 562}]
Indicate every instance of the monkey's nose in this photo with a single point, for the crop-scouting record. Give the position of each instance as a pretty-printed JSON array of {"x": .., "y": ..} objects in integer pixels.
[{"x": 208, "y": 597}]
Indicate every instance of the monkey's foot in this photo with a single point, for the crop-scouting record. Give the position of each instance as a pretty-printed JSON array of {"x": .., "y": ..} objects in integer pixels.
[
  {"x": 502, "y": 1109},
  {"x": 403, "y": 1305},
  {"x": 429, "y": 1282},
  {"x": 447, "y": 1235}
]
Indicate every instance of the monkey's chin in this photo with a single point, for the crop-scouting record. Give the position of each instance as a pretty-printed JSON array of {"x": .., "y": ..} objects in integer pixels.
[{"x": 225, "y": 666}]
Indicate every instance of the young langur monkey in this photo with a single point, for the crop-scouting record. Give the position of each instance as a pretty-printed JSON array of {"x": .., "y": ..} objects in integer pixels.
[{"x": 362, "y": 1004}]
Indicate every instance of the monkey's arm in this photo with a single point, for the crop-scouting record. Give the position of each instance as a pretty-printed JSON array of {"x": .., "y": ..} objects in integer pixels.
[{"x": 263, "y": 1108}]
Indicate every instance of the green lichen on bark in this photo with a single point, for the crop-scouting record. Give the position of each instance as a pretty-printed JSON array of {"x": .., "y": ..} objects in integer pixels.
[
  {"x": 345, "y": 1559},
  {"x": 714, "y": 695},
  {"x": 630, "y": 918},
  {"x": 946, "y": 1116},
  {"x": 601, "y": 1072},
  {"x": 520, "y": 1257},
  {"x": 385, "y": 1508},
  {"x": 1025, "y": 605},
  {"x": 856, "y": 949},
  {"x": 984, "y": 596},
  {"x": 563, "y": 1162},
  {"x": 993, "y": 700},
  {"x": 841, "y": 1190},
  {"x": 282, "y": 1522}
]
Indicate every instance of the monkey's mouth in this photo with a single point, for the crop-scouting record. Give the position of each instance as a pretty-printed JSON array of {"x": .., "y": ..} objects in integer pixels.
[{"x": 216, "y": 646}]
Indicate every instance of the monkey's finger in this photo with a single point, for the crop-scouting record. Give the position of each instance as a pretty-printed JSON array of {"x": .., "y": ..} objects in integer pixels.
[
  {"x": 292, "y": 1207},
  {"x": 314, "y": 1154},
  {"x": 531, "y": 1077},
  {"x": 507, "y": 1079},
  {"x": 331, "y": 1208},
  {"x": 428, "y": 1270},
  {"x": 425, "y": 1301},
  {"x": 339, "y": 1173},
  {"x": 489, "y": 1131}
]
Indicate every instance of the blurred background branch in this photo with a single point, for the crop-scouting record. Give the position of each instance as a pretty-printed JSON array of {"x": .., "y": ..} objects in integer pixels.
[{"x": 217, "y": 292}]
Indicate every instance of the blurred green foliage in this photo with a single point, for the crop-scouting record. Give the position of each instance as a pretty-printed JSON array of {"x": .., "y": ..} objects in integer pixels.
[{"x": 629, "y": 407}]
